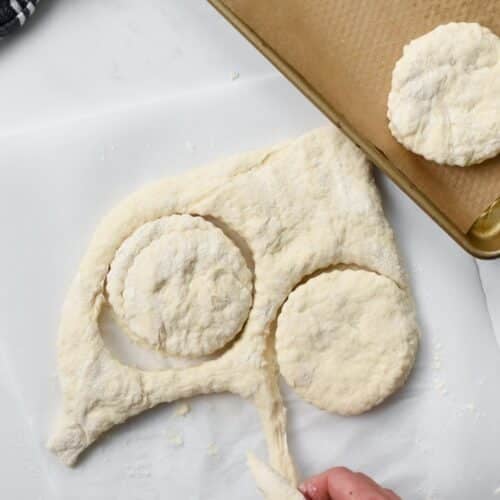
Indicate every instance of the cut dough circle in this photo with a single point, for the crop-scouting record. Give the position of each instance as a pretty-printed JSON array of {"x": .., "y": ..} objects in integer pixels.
[
  {"x": 346, "y": 340},
  {"x": 444, "y": 103},
  {"x": 179, "y": 285}
]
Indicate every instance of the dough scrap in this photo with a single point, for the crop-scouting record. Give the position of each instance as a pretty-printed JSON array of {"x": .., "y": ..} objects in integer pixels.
[
  {"x": 346, "y": 340},
  {"x": 293, "y": 210},
  {"x": 181, "y": 286},
  {"x": 182, "y": 410},
  {"x": 270, "y": 483},
  {"x": 444, "y": 103}
]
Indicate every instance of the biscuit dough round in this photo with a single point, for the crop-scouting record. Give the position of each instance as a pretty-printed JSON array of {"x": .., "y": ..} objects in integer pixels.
[
  {"x": 346, "y": 340},
  {"x": 179, "y": 285},
  {"x": 444, "y": 102}
]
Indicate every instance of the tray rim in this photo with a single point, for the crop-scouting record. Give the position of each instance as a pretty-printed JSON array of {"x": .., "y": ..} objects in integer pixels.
[{"x": 375, "y": 155}]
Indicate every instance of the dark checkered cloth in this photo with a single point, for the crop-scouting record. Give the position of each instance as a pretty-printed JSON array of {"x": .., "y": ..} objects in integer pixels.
[{"x": 13, "y": 14}]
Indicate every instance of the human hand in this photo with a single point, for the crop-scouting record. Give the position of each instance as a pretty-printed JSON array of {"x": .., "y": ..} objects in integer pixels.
[{"x": 340, "y": 483}]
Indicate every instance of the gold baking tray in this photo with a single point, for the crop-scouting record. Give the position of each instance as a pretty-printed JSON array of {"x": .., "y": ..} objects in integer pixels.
[{"x": 482, "y": 240}]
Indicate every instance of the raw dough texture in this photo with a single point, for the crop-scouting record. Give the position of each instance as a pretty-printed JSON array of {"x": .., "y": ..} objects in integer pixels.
[
  {"x": 346, "y": 340},
  {"x": 270, "y": 483},
  {"x": 444, "y": 102},
  {"x": 283, "y": 214},
  {"x": 181, "y": 286}
]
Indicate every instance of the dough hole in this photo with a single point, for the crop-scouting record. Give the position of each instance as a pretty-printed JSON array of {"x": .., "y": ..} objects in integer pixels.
[{"x": 130, "y": 353}]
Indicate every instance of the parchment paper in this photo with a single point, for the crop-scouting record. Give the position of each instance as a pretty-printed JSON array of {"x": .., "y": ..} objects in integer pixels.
[
  {"x": 346, "y": 49},
  {"x": 437, "y": 439}
]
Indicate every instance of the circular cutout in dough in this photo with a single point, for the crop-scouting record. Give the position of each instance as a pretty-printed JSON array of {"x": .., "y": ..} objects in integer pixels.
[
  {"x": 346, "y": 340},
  {"x": 180, "y": 286},
  {"x": 444, "y": 102}
]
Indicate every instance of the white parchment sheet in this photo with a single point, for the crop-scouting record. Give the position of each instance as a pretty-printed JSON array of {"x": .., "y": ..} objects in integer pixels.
[{"x": 436, "y": 439}]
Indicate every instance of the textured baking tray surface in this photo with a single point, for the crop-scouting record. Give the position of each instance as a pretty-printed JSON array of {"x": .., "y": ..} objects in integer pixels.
[{"x": 341, "y": 54}]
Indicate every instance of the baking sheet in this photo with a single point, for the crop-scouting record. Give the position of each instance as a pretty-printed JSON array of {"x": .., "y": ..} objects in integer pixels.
[
  {"x": 346, "y": 50},
  {"x": 58, "y": 181}
]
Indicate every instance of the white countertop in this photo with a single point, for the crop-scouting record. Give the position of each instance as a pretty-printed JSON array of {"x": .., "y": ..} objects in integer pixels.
[{"x": 100, "y": 97}]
